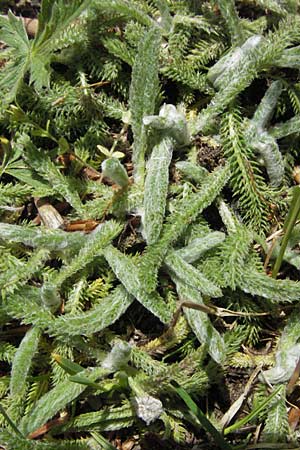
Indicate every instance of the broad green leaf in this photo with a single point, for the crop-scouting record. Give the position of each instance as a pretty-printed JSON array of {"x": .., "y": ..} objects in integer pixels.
[
  {"x": 55, "y": 17},
  {"x": 13, "y": 33}
]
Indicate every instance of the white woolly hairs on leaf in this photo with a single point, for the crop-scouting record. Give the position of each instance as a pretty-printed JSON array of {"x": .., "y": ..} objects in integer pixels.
[
  {"x": 148, "y": 408},
  {"x": 113, "y": 169},
  {"x": 273, "y": 161},
  {"x": 219, "y": 72},
  {"x": 261, "y": 141},
  {"x": 156, "y": 189},
  {"x": 172, "y": 122},
  {"x": 173, "y": 129},
  {"x": 287, "y": 354},
  {"x": 118, "y": 356}
]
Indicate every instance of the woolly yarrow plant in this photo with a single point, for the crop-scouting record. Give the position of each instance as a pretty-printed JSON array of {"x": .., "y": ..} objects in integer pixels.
[{"x": 147, "y": 150}]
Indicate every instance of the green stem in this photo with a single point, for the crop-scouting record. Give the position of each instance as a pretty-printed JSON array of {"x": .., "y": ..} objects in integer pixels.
[
  {"x": 10, "y": 422},
  {"x": 207, "y": 425},
  {"x": 287, "y": 228},
  {"x": 253, "y": 413}
]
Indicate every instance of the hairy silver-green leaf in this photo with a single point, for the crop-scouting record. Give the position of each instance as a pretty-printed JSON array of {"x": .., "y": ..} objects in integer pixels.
[
  {"x": 106, "y": 419},
  {"x": 105, "y": 313},
  {"x": 25, "y": 304},
  {"x": 257, "y": 283},
  {"x": 191, "y": 171},
  {"x": 240, "y": 75},
  {"x": 173, "y": 127},
  {"x": 23, "y": 360},
  {"x": 54, "y": 240},
  {"x": 260, "y": 140},
  {"x": 143, "y": 92},
  {"x": 277, "y": 426},
  {"x": 94, "y": 245},
  {"x": 290, "y": 58},
  {"x": 190, "y": 275},
  {"x": 232, "y": 60},
  {"x": 127, "y": 272},
  {"x": 118, "y": 357},
  {"x": 228, "y": 218},
  {"x": 113, "y": 169},
  {"x": 156, "y": 189},
  {"x": 171, "y": 122},
  {"x": 281, "y": 130},
  {"x": 287, "y": 353},
  {"x": 187, "y": 210},
  {"x": 268, "y": 149},
  {"x": 14, "y": 442},
  {"x": 98, "y": 239},
  {"x": 265, "y": 109},
  {"x": 195, "y": 249},
  {"x": 200, "y": 323},
  {"x": 55, "y": 400}
]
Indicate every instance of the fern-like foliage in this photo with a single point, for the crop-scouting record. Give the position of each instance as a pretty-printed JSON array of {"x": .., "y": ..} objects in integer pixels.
[
  {"x": 14, "y": 194},
  {"x": 47, "y": 169},
  {"x": 234, "y": 253},
  {"x": 277, "y": 425},
  {"x": 107, "y": 419},
  {"x": 246, "y": 179},
  {"x": 232, "y": 20},
  {"x": 12, "y": 280}
]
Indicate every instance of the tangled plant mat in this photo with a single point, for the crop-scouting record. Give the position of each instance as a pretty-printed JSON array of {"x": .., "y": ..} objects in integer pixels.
[{"x": 149, "y": 224}]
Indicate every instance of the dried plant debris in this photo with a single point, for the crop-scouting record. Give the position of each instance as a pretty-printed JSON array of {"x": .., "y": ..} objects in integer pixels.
[{"x": 149, "y": 152}]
